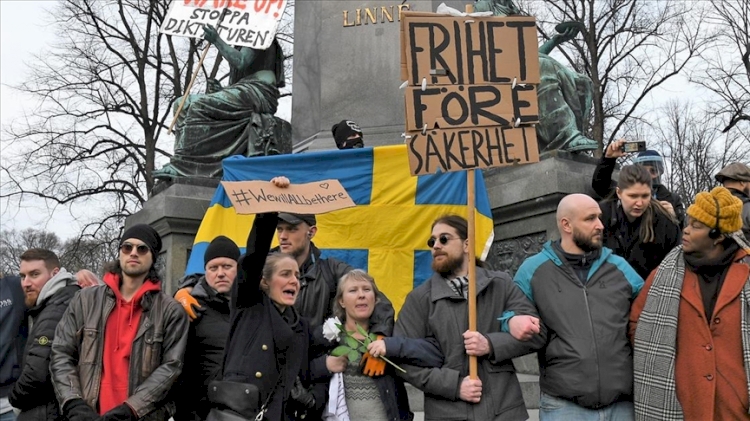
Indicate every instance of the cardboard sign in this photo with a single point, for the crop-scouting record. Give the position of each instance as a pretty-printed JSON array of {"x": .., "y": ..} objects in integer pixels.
[
  {"x": 247, "y": 23},
  {"x": 253, "y": 197},
  {"x": 469, "y": 148},
  {"x": 471, "y": 95},
  {"x": 470, "y": 106},
  {"x": 449, "y": 50}
]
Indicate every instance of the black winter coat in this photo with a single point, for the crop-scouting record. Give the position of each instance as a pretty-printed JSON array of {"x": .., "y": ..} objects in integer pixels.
[
  {"x": 622, "y": 237},
  {"x": 604, "y": 185},
  {"x": 204, "y": 354},
  {"x": 13, "y": 332},
  {"x": 263, "y": 344},
  {"x": 33, "y": 393}
]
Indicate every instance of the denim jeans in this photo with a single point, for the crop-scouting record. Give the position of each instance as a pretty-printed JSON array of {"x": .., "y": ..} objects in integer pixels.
[
  {"x": 556, "y": 409},
  {"x": 8, "y": 416}
]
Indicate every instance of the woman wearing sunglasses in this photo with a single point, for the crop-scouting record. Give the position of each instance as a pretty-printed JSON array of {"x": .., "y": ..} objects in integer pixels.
[{"x": 269, "y": 343}]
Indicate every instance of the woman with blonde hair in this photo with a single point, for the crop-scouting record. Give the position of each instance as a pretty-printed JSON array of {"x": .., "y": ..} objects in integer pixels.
[{"x": 354, "y": 395}]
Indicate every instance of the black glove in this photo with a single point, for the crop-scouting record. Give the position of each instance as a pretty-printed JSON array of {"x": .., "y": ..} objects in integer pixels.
[
  {"x": 78, "y": 410},
  {"x": 119, "y": 413},
  {"x": 301, "y": 401}
]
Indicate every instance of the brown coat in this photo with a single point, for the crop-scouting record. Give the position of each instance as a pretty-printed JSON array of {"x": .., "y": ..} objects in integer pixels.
[{"x": 709, "y": 369}]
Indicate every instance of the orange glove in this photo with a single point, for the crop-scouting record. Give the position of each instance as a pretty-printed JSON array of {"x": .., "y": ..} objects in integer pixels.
[
  {"x": 374, "y": 366},
  {"x": 188, "y": 302}
]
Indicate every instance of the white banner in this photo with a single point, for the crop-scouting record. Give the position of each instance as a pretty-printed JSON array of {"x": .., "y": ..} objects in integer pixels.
[{"x": 247, "y": 23}]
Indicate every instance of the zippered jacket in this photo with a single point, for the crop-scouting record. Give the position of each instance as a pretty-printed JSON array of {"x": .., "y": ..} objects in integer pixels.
[{"x": 588, "y": 359}]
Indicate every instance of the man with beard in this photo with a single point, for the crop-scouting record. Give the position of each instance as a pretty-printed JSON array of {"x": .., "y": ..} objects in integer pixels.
[
  {"x": 48, "y": 289},
  {"x": 736, "y": 178},
  {"x": 583, "y": 293},
  {"x": 689, "y": 326},
  {"x": 438, "y": 309},
  {"x": 120, "y": 346}
]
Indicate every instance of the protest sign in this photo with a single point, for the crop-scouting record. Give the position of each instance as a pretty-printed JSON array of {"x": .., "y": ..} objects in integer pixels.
[
  {"x": 471, "y": 94},
  {"x": 247, "y": 23},
  {"x": 469, "y": 148},
  {"x": 253, "y": 197}
]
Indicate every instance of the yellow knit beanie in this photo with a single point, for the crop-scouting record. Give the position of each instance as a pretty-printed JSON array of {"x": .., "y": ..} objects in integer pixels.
[{"x": 721, "y": 205}]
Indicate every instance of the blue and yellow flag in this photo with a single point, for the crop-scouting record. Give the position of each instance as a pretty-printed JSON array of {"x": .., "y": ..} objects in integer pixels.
[{"x": 385, "y": 234}]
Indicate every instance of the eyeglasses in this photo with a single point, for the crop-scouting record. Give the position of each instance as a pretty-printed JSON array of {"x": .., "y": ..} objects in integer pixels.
[
  {"x": 443, "y": 240},
  {"x": 141, "y": 249}
]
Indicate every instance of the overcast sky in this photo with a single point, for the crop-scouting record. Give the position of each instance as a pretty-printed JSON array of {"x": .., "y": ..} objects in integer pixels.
[{"x": 23, "y": 33}]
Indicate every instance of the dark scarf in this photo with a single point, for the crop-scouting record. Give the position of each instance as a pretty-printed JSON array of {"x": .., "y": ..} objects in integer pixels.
[
  {"x": 581, "y": 263},
  {"x": 711, "y": 273}
]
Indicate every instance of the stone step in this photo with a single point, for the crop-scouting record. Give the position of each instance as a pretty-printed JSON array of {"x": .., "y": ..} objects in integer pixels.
[{"x": 529, "y": 388}]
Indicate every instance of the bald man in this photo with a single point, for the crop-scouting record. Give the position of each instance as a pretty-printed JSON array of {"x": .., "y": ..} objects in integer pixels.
[{"x": 583, "y": 294}]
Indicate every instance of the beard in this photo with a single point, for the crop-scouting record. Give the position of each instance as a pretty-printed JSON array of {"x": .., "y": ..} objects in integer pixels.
[
  {"x": 134, "y": 273},
  {"x": 30, "y": 299},
  {"x": 587, "y": 244},
  {"x": 448, "y": 265}
]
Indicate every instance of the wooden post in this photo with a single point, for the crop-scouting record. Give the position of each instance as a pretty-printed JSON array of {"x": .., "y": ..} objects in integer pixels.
[
  {"x": 189, "y": 87},
  {"x": 472, "y": 297}
]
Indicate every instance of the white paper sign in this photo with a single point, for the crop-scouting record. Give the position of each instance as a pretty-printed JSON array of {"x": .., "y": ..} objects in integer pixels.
[{"x": 247, "y": 23}]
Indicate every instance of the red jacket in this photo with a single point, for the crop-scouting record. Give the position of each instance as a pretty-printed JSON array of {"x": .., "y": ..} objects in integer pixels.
[{"x": 119, "y": 334}]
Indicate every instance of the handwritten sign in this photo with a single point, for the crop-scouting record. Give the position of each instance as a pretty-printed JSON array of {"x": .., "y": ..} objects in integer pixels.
[
  {"x": 252, "y": 197},
  {"x": 471, "y": 94},
  {"x": 248, "y": 23},
  {"x": 467, "y": 148}
]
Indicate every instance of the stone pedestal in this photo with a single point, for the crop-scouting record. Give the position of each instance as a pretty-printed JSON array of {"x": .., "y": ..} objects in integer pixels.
[
  {"x": 175, "y": 210},
  {"x": 350, "y": 72}
]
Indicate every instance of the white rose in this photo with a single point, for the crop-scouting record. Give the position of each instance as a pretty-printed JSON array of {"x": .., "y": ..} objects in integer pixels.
[{"x": 330, "y": 330}]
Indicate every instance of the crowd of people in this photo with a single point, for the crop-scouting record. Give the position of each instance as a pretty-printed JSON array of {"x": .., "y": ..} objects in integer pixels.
[{"x": 639, "y": 311}]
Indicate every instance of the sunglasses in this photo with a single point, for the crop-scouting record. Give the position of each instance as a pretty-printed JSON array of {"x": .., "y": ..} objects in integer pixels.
[
  {"x": 443, "y": 239},
  {"x": 141, "y": 249}
]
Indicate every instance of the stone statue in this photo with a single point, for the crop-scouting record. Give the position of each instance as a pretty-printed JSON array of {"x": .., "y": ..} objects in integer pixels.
[
  {"x": 233, "y": 120},
  {"x": 565, "y": 97}
]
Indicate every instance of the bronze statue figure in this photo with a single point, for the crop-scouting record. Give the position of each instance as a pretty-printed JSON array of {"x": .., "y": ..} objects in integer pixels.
[
  {"x": 234, "y": 120},
  {"x": 565, "y": 97}
]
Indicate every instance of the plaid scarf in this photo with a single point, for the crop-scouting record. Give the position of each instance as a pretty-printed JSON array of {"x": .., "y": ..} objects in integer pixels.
[{"x": 654, "y": 352}]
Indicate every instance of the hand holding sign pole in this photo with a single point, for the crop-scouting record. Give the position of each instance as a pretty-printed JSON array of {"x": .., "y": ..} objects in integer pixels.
[{"x": 476, "y": 110}]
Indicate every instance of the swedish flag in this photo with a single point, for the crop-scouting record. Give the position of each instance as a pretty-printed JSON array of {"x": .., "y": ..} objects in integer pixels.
[{"x": 385, "y": 234}]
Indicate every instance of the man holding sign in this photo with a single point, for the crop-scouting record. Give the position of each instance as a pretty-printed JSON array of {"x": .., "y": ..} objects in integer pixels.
[{"x": 438, "y": 309}]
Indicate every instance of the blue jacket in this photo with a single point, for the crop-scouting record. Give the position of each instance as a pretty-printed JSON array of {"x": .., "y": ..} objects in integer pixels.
[
  {"x": 13, "y": 332},
  {"x": 588, "y": 359}
]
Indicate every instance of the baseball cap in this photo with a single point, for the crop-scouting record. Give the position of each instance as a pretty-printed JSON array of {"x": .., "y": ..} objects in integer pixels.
[{"x": 297, "y": 218}]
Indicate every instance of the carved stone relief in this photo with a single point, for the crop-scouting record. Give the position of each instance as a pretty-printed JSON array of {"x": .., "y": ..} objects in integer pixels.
[{"x": 507, "y": 255}]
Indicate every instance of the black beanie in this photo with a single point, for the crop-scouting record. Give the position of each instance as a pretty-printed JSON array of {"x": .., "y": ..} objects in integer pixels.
[
  {"x": 145, "y": 233},
  {"x": 343, "y": 130},
  {"x": 221, "y": 246}
]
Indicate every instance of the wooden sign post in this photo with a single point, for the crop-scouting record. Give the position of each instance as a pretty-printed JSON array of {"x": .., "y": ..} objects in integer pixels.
[{"x": 471, "y": 102}]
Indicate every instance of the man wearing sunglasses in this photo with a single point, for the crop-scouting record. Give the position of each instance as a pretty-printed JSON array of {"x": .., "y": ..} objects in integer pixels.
[
  {"x": 439, "y": 309},
  {"x": 48, "y": 288},
  {"x": 119, "y": 346}
]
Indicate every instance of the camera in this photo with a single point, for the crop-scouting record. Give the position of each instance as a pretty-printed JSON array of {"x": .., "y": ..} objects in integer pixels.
[{"x": 634, "y": 146}]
